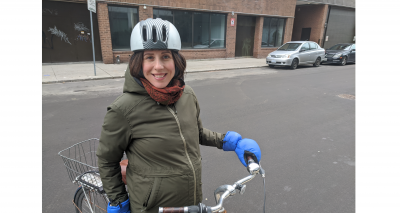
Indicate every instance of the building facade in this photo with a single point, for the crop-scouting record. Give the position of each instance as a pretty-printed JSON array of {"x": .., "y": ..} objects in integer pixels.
[
  {"x": 326, "y": 22},
  {"x": 208, "y": 29}
]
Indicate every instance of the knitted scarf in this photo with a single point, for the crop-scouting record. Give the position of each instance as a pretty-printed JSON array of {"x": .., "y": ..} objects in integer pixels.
[{"x": 167, "y": 95}]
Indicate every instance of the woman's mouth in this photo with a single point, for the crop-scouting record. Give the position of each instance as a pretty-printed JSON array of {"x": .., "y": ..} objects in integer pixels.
[{"x": 159, "y": 77}]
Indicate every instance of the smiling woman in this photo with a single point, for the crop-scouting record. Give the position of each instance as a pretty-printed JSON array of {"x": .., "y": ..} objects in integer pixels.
[{"x": 156, "y": 122}]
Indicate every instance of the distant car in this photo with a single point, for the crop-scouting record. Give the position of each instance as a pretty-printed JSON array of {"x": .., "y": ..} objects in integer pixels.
[
  {"x": 296, "y": 53},
  {"x": 341, "y": 54},
  {"x": 213, "y": 43}
]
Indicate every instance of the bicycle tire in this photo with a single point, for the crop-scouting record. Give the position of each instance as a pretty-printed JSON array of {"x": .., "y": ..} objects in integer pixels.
[{"x": 97, "y": 201}]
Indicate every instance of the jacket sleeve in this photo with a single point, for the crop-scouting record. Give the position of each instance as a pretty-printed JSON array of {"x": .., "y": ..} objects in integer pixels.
[
  {"x": 114, "y": 140},
  {"x": 206, "y": 136}
]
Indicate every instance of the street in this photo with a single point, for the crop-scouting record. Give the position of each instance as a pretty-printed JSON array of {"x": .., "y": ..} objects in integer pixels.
[{"x": 303, "y": 121}]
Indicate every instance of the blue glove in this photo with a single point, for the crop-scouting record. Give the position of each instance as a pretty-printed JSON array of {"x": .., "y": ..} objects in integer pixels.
[
  {"x": 123, "y": 207},
  {"x": 248, "y": 147},
  {"x": 231, "y": 139}
]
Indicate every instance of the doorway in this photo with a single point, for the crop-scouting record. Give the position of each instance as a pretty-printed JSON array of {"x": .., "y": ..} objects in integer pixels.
[
  {"x": 305, "y": 34},
  {"x": 245, "y": 30}
]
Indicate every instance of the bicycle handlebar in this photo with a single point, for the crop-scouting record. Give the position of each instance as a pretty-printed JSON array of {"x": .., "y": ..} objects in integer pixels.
[{"x": 226, "y": 190}]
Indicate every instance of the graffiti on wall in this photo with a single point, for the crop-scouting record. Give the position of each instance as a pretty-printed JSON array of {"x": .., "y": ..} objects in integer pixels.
[
  {"x": 59, "y": 33},
  {"x": 83, "y": 37},
  {"x": 50, "y": 11},
  {"x": 80, "y": 27}
]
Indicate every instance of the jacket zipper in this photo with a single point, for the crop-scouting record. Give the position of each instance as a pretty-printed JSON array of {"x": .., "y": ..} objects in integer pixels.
[{"x": 187, "y": 155}]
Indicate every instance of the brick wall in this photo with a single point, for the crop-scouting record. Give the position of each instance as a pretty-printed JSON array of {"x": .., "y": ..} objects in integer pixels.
[
  {"x": 145, "y": 13},
  {"x": 258, "y": 37},
  {"x": 105, "y": 34},
  {"x": 230, "y": 36},
  {"x": 310, "y": 16},
  {"x": 267, "y": 7}
]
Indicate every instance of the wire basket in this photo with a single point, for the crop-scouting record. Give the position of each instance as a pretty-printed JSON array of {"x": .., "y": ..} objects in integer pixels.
[{"x": 80, "y": 161}]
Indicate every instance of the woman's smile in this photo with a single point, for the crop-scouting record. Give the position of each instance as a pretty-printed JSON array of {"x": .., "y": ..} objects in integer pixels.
[{"x": 160, "y": 77}]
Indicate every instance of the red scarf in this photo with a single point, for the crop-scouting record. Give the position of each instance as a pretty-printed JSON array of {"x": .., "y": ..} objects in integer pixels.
[{"x": 167, "y": 95}]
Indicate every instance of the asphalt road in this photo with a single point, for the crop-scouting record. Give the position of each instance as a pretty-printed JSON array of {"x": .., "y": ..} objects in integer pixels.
[{"x": 303, "y": 120}]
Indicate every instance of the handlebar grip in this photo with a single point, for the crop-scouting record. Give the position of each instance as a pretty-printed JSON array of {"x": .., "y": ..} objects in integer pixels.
[
  {"x": 201, "y": 208},
  {"x": 171, "y": 210}
]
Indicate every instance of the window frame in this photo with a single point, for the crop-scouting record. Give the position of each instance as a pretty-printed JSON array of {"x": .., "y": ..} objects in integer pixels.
[
  {"x": 276, "y": 30},
  {"x": 137, "y": 17},
  {"x": 209, "y": 27}
]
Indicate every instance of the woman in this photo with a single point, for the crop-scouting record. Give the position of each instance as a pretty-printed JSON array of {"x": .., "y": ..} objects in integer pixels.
[{"x": 156, "y": 122}]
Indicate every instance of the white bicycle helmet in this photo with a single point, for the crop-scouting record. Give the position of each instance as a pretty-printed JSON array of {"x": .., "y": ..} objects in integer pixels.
[{"x": 155, "y": 34}]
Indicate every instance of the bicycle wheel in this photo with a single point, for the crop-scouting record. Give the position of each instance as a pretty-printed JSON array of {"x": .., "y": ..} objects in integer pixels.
[{"x": 91, "y": 203}]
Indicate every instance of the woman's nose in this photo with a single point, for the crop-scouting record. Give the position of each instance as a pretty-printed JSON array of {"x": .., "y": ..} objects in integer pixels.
[{"x": 158, "y": 65}]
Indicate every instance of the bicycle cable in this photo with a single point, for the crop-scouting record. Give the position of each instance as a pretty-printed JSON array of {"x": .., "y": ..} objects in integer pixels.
[{"x": 262, "y": 172}]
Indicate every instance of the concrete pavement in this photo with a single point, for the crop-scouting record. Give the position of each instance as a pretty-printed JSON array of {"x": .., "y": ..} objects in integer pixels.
[{"x": 67, "y": 72}]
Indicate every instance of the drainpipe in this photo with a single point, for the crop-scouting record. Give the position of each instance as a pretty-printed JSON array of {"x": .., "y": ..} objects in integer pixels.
[{"x": 326, "y": 26}]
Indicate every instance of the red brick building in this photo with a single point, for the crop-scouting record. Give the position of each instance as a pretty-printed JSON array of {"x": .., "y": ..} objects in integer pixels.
[{"x": 208, "y": 29}]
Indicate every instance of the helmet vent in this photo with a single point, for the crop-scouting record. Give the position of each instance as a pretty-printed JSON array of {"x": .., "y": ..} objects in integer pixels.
[
  {"x": 154, "y": 34},
  {"x": 164, "y": 33},
  {"x": 144, "y": 33}
]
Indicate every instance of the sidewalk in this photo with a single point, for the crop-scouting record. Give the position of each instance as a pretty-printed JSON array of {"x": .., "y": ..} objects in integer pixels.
[{"x": 59, "y": 73}]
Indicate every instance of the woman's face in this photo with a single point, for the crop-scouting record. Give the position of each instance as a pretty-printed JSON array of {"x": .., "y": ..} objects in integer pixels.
[{"x": 158, "y": 67}]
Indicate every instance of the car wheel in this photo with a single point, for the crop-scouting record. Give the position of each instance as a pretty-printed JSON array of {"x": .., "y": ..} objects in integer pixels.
[
  {"x": 317, "y": 62},
  {"x": 272, "y": 66},
  {"x": 344, "y": 61},
  {"x": 295, "y": 63}
]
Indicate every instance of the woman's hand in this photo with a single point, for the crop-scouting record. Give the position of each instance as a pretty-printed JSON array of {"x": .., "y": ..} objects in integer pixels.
[
  {"x": 231, "y": 139},
  {"x": 123, "y": 207},
  {"x": 248, "y": 147},
  {"x": 233, "y": 142}
]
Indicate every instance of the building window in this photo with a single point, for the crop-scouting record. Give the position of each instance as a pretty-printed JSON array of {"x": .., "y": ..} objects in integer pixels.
[
  {"x": 122, "y": 21},
  {"x": 272, "y": 32},
  {"x": 197, "y": 30}
]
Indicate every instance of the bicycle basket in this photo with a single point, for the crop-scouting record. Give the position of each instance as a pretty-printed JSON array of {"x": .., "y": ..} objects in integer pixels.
[{"x": 80, "y": 158}]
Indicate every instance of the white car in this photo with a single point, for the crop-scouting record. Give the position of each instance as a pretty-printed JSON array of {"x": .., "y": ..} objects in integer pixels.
[{"x": 296, "y": 53}]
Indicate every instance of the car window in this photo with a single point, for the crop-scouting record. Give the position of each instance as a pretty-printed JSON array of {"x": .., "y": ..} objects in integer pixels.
[
  {"x": 353, "y": 47},
  {"x": 313, "y": 46},
  {"x": 340, "y": 47},
  {"x": 305, "y": 47},
  {"x": 290, "y": 46}
]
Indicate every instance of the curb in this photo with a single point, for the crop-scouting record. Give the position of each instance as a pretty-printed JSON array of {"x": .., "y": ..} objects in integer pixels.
[{"x": 123, "y": 76}]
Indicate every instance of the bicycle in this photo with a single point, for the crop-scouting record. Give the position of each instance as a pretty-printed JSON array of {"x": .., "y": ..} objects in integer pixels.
[{"x": 80, "y": 161}]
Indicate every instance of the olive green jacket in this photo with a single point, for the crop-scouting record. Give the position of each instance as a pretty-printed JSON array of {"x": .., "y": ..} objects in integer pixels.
[{"x": 162, "y": 146}]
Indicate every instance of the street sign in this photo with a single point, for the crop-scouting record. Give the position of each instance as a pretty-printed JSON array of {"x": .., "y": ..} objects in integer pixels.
[
  {"x": 232, "y": 22},
  {"x": 91, "y": 4}
]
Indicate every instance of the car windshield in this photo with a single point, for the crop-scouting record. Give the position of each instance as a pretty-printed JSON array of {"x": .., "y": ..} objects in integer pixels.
[
  {"x": 340, "y": 47},
  {"x": 290, "y": 46}
]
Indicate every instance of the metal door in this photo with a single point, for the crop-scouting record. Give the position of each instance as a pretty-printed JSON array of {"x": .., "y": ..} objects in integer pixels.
[
  {"x": 66, "y": 33},
  {"x": 246, "y": 26},
  {"x": 341, "y": 26},
  {"x": 305, "y": 34}
]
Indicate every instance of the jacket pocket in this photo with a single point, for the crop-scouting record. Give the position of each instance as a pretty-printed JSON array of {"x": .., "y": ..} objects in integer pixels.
[{"x": 151, "y": 196}]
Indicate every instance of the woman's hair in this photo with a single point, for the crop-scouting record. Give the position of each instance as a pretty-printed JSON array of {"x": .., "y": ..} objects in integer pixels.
[{"x": 136, "y": 62}]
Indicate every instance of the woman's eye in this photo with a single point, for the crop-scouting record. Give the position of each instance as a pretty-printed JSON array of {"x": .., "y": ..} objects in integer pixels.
[
  {"x": 166, "y": 56},
  {"x": 149, "y": 57}
]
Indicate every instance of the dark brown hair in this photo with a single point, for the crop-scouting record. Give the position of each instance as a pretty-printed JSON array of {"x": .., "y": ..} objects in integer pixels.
[{"x": 136, "y": 62}]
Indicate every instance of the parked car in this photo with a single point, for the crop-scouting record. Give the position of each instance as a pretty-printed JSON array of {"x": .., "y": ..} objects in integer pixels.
[
  {"x": 296, "y": 53},
  {"x": 213, "y": 43},
  {"x": 341, "y": 54}
]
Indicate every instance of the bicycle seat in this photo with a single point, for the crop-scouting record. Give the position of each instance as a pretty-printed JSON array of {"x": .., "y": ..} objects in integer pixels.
[{"x": 123, "y": 165}]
